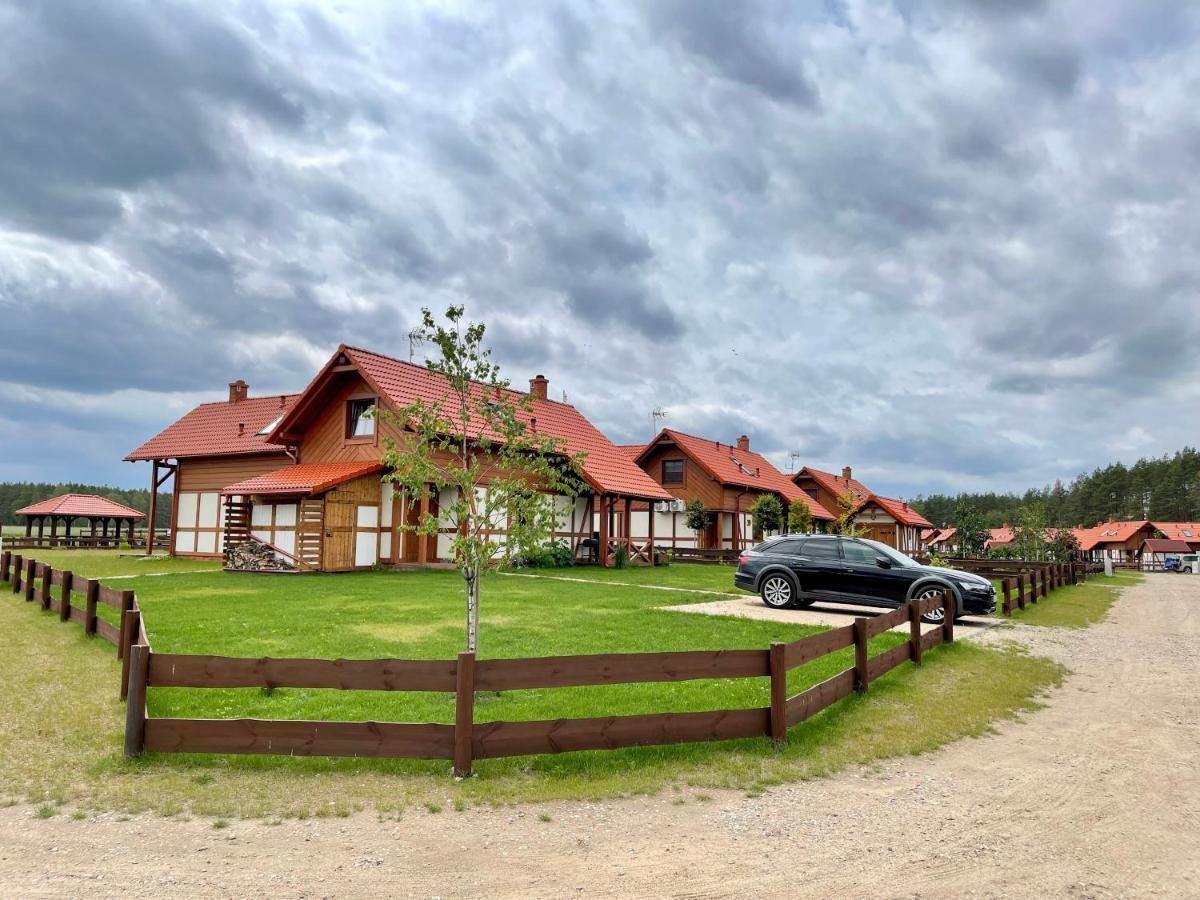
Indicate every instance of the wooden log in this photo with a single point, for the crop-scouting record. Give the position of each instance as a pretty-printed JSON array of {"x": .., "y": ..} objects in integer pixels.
[
  {"x": 64, "y": 604},
  {"x": 129, "y": 634},
  {"x": 914, "y": 631},
  {"x": 18, "y": 562},
  {"x": 496, "y": 739},
  {"x": 778, "y": 662},
  {"x": 299, "y": 738},
  {"x": 888, "y": 660},
  {"x": 464, "y": 713},
  {"x": 171, "y": 670},
  {"x": 862, "y": 675},
  {"x": 618, "y": 668},
  {"x": 948, "y": 619},
  {"x": 127, "y": 603},
  {"x": 810, "y": 702},
  {"x": 91, "y": 595},
  {"x": 135, "y": 704},
  {"x": 817, "y": 645},
  {"x": 886, "y": 622},
  {"x": 47, "y": 584}
]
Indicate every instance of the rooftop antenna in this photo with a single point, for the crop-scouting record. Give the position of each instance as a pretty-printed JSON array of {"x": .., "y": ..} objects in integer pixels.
[
  {"x": 795, "y": 458},
  {"x": 415, "y": 340},
  {"x": 564, "y": 400},
  {"x": 656, "y": 414}
]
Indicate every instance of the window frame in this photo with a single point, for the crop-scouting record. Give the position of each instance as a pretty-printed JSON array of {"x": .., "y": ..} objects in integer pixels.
[
  {"x": 682, "y": 471},
  {"x": 348, "y": 435}
]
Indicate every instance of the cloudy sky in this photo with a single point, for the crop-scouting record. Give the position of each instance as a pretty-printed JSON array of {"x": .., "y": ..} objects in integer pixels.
[{"x": 954, "y": 245}]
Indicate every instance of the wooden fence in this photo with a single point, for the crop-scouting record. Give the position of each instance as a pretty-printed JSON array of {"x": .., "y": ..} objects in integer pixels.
[
  {"x": 723, "y": 555},
  {"x": 84, "y": 541},
  {"x": 1023, "y": 581},
  {"x": 467, "y": 739}
]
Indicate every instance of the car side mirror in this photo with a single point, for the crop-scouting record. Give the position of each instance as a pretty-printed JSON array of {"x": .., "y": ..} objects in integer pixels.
[{"x": 883, "y": 562}]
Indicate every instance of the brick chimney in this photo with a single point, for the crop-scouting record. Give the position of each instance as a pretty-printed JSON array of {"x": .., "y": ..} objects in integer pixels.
[
  {"x": 744, "y": 443},
  {"x": 539, "y": 387},
  {"x": 846, "y": 472},
  {"x": 238, "y": 390}
]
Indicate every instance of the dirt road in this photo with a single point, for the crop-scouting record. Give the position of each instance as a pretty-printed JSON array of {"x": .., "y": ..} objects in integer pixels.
[{"x": 1097, "y": 795}]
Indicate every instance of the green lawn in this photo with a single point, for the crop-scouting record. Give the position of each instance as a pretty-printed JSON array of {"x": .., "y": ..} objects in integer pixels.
[
  {"x": 109, "y": 564},
  {"x": 1076, "y": 606},
  {"x": 61, "y": 729},
  {"x": 698, "y": 576}
]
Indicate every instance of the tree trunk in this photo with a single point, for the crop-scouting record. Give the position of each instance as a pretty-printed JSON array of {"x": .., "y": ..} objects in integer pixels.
[{"x": 471, "y": 574}]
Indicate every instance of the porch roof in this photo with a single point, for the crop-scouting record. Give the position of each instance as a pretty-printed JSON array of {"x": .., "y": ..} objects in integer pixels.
[{"x": 306, "y": 478}]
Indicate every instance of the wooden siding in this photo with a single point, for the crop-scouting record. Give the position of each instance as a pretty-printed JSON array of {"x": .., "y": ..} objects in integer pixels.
[{"x": 215, "y": 473}]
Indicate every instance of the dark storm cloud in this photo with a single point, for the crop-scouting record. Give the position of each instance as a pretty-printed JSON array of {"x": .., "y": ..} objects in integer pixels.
[{"x": 947, "y": 244}]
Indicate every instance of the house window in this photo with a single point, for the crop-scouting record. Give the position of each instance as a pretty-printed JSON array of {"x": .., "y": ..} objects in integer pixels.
[
  {"x": 360, "y": 418},
  {"x": 812, "y": 492},
  {"x": 672, "y": 471}
]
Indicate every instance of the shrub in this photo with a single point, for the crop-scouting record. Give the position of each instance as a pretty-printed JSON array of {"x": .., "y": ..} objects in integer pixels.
[
  {"x": 621, "y": 557},
  {"x": 768, "y": 514},
  {"x": 554, "y": 555},
  {"x": 800, "y": 519}
]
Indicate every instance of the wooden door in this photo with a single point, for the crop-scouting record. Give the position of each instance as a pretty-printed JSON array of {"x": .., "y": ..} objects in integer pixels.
[
  {"x": 885, "y": 534},
  {"x": 340, "y": 515},
  {"x": 412, "y": 515}
]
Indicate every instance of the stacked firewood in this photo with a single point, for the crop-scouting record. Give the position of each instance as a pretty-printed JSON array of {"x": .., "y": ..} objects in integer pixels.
[{"x": 255, "y": 556}]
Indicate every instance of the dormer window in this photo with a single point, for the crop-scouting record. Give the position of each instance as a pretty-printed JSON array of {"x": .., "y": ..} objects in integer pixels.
[
  {"x": 360, "y": 418},
  {"x": 267, "y": 429}
]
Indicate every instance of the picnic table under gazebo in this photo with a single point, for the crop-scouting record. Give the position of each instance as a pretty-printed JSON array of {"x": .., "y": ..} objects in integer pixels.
[{"x": 105, "y": 519}]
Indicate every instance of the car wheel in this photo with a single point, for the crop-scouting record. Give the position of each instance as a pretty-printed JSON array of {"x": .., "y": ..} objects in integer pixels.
[
  {"x": 778, "y": 591},
  {"x": 935, "y": 616}
]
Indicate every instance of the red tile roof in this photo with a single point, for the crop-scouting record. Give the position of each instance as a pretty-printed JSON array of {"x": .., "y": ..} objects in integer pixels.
[
  {"x": 633, "y": 451},
  {"x": 306, "y": 478},
  {"x": 1164, "y": 545},
  {"x": 996, "y": 536},
  {"x": 836, "y": 484},
  {"x": 1108, "y": 533},
  {"x": 1179, "y": 531},
  {"x": 606, "y": 468},
  {"x": 898, "y": 510},
  {"x": 211, "y": 429},
  {"x": 740, "y": 468},
  {"x": 82, "y": 505},
  {"x": 940, "y": 536}
]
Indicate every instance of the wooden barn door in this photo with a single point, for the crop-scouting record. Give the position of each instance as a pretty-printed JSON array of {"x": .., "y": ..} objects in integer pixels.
[{"x": 340, "y": 515}]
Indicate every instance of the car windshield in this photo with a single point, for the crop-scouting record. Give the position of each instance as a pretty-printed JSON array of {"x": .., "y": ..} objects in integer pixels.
[{"x": 892, "y": 553}]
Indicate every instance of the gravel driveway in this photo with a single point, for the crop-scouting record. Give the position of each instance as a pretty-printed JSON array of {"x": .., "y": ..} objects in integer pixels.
[{"x": 1096, "y": 795}]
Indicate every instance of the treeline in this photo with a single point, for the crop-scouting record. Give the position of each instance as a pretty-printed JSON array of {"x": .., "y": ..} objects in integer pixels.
[
  {"x": 1166, "y": 489},
  {"x": 16, "y": 495}
]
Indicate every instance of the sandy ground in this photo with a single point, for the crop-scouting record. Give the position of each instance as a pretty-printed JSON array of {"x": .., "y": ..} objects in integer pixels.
[{"x": 1097, "y": 795}]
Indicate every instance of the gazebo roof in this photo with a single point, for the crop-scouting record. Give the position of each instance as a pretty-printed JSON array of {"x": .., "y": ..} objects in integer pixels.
[{"x": 84, "y": 506}]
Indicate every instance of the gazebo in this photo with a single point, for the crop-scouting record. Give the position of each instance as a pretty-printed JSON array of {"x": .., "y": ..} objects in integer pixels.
[{"x": 64, "y": 510}]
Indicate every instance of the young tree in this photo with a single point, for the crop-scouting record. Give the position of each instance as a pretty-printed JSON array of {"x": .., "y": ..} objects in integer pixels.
[
  {"x": 696, "y": 516},
  {"x": 1029, "y": 537},
  {"x": 800, "y": 518},
  {"x": 767, "y": 512},
  {"x": 1064, "y": 547},
  {"x": 847, "y": 507},
  {"x": 481, "y": 441},
  {"x": 972, "y": 533}
]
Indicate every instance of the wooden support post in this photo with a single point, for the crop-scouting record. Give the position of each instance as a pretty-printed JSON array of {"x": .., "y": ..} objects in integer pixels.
[
  {"x": 5, "y": 565},
  {"x": 30, "y": 571},
  {"x": 860, "y": 655},
  {"x": 92, "y": 598},
  {"x": 18, "y": 562},
  {"x": 464, "y": 713},
  {"x": 47, "y": 583},
  {"x": 29, "y": 526},
  {"x": 1006, "y": 600},
  {"x": 126, "y": 607},
  {"x": 129, "y": 638},
  {"x": 1020, "y": 595},
  {"x": 135, "y": 706},
  {"x": 778, "y": 667},
  {"x": 914, "y": 631},
  {"x": 1022, "y": 584},
  {"x": 602, "y": 549},
  {"x": 627, "y": 529},
  {"x": 650, "y": 528},
  {"x": 948, "y": 618},
  {"x": 64, "y": 605}
]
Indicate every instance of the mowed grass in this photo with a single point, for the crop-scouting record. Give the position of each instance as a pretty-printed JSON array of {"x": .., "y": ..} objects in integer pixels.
[
  {"x": 691, "y": 576},
  {"x": 118, "y": 563},
  {"x": 1076, "y": 606},
  {"x": 60, "y": 730}
]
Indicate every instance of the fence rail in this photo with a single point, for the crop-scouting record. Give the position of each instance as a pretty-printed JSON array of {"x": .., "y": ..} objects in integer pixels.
[
  {"x": 83, "y": 541},
  {"x": 467, "y": 739}
]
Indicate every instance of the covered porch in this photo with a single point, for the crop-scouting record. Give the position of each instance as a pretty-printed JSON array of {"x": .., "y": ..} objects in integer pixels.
[{"x": 106, "y": 523}]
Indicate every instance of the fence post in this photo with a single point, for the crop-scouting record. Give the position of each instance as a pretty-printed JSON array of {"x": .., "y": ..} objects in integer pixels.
[
  {"x": 64, "y": 605},
  {"x": 127, "y": 602},
  {"x": 18, "y": 561},
  {"x": 30, "y": 571},
  {"x": 914, "y": 631},
  {"x": 91, "y": 598},
  {"x": 129, "y": 638},
  {"x": 778, "y": 667},
  {"x": 860, "y": 656},
  {"x": 1022, "y": 585},
  {"x": 47, "y": 583},
  {"x": 5, "y": 563},
  {"x": 464, "y": 713},
  {"x": 135, "y": 708},
  {"x": 948, "y": 618}
]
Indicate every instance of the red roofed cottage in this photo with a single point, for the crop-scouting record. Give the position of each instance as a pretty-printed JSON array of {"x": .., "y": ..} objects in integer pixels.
[{"x": 303, "y": 472}]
